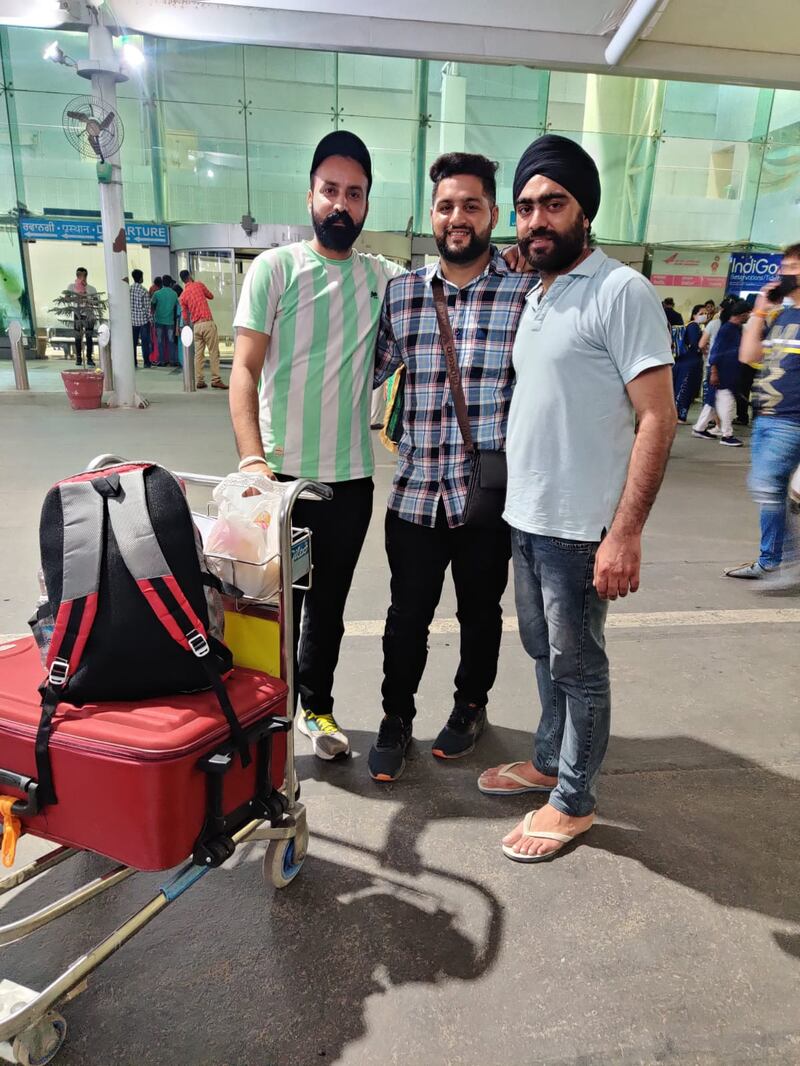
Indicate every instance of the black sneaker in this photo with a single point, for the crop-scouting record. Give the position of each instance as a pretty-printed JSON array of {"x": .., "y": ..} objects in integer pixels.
[
  {"x": 387, "y": 756},
  {"x": 461, "y": 734},
  {"x": 731, "y": 442},
  {"x": 704, "y": 433}
]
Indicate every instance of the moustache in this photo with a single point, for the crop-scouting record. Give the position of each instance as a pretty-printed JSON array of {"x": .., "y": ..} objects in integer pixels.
[
  {"x": 337, "y": 216},
  {"x": 538, "y": 233}
]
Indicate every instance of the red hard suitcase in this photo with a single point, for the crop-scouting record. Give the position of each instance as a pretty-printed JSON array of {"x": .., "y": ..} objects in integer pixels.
[{"x": 126, "y": 773}]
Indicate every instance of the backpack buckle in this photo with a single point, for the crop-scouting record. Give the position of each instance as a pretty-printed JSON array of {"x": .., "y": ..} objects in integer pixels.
[
  {"x": 59, "y": 672},
  {"x": 198, "y": 643}
]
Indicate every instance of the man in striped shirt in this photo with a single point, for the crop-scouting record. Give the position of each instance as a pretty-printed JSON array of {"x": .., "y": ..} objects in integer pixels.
[
  {"x": 300, "y": 395},
  {"x": 425, "y": 529}
]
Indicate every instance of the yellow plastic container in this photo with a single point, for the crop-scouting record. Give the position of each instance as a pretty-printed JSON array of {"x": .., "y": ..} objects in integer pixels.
[{"x": 254, "y": 637}]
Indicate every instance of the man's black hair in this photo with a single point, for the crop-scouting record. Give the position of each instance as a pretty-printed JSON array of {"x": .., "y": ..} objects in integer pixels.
[
  {"x": 137, "y": 276},
  {"x": 185, "y": 276},
  {"x": 668, "y": 300},
  {"x": 451, "y": 164},
  {"x": 158, "y": 282},
  {"x": 82, "y": 270}
]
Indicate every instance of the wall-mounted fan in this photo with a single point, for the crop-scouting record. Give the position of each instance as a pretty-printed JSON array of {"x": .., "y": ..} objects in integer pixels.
[{"x": 92, "y": 129}]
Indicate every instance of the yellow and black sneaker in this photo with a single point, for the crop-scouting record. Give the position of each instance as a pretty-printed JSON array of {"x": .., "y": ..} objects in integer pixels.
[{"x": 327, "y": 739}]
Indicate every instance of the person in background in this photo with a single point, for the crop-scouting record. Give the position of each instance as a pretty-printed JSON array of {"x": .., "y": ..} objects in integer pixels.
[
  {"x": 674, "y": 318},
  {"x": 157, "y": 283},
  {"x": 688, "y": 372},
  {"x": 723, "y": 376},
  {"x": 714, "y": 322},
  {"x": 83, "y": 316},
  {"x": 196, "y": 313},
  {"x": 140, "y": 317},
  {"x": 772, "y": 338},
  {"x": 164, "y": 302}
]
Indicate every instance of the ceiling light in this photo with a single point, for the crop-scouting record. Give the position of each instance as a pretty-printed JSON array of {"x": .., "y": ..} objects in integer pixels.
[
  {"x": 132, "y": 56},
  {"x": 53, "y": 53},
  {"x": 210, "y": 173}
]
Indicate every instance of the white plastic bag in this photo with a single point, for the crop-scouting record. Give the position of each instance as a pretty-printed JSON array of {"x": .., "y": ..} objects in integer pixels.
[{"x": 243, "y": 544}]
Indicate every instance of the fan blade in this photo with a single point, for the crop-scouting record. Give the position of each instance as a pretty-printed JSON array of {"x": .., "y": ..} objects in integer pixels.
[
  {"x": 107, "y": 120},
  {"x": 79, "y": 115}
]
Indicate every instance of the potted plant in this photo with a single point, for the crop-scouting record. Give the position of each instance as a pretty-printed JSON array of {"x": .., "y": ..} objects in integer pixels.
[{"x": 84, "y": 386}]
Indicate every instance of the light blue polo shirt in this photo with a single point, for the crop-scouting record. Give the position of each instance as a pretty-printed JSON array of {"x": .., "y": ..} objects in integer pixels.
[{"x": 570, "y": 430}]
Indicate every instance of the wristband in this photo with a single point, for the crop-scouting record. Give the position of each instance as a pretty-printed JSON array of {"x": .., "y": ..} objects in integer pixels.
[
  {"x": 758, "y": 313},
  {"x": 248, "y": 459}
]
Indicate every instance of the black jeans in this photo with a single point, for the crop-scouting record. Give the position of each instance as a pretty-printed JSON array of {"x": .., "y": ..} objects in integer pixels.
[
  {"x": 747, "y": 375},
  {"x": 338, "y": 528},
  {"x": 418, "y": 558},
  {"x": 83, "y": 331}
]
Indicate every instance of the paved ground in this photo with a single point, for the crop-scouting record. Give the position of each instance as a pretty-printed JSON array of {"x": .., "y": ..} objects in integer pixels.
[{"x": 671, "y": 936}]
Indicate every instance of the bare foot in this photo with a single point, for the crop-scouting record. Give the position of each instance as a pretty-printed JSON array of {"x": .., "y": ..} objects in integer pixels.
[
  {"x": 492, "y": 778},
  {"x": 550, "y": 820}
]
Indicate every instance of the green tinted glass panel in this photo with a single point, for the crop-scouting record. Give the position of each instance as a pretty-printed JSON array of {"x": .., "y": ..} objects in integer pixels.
[{"x": 704, "y": 191}]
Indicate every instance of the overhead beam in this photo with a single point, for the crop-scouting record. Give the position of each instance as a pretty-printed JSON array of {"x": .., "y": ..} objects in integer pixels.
[{"x": 234, "y": 24}]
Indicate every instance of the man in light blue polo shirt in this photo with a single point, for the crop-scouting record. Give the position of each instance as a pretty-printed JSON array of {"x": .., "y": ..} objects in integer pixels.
[{"x": 592, "y": 351}]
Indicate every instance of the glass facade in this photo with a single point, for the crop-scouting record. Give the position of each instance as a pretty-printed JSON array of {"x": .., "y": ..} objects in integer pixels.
[{"x": 214, "y": 131}]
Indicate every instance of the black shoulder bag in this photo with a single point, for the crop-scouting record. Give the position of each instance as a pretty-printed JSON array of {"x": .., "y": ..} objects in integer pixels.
[{"x": 486, "y": 490}]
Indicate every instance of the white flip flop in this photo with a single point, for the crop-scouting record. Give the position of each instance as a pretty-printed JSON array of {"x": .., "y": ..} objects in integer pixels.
[
  {"x": 539, "y": 834},
  {"x": 507, "y": 771}
]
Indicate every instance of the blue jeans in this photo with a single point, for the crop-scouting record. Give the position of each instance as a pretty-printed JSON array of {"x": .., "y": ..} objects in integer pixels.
[
  {"x": 142, "y": 333},
  {"x": 775, "y": 454},
  {"x": 561, "y": 622},
  {"x": 165, "y": 341},
  {"x": 687, "y": 377}
]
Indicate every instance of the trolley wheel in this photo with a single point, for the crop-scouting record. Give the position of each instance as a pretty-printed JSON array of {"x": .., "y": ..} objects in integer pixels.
[
  {"x": 281, "y": 864},
  {"x": 41, "y": 1042}
]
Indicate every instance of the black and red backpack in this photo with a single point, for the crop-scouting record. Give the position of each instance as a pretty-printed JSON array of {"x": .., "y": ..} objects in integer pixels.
[{"x": 131, "y": 611}]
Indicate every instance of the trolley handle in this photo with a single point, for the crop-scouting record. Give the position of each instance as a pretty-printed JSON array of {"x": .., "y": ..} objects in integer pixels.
[
  {"x": 303, "y": 486},
  {"x": 30, "y": 805}
]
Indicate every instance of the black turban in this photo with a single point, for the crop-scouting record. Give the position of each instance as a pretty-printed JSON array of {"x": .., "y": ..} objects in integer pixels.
[
  {"x": 565, "y": 162},
  {"x": 341, "y": 142}
]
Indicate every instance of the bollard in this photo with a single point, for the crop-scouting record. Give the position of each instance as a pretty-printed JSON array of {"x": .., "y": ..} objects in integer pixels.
[
  {"x": 103, "y": 342},
  {"x": 187, "y": 343},
  {"x": 18, "y": 357}
]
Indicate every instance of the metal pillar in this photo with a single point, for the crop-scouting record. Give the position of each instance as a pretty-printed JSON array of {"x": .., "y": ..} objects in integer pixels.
[
  {"x": 187, "y": 344},
  {"x": 18, "y": 356},
  {"x": 103, "y": 70}
]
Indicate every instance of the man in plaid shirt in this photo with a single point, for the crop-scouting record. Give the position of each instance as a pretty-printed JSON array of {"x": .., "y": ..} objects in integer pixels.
[
  {"x": 425, "y": 529},
  {"x": 140, "y": 317}
]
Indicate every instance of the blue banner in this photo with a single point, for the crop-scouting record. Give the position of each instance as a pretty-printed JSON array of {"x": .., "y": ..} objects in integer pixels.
[
  {"x": 751, "y": 271},
  {"x": 89, "y": 230}
]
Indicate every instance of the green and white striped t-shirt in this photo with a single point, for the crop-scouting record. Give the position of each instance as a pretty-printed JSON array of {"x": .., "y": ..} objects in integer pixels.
[{"x": 322, "y": 317}]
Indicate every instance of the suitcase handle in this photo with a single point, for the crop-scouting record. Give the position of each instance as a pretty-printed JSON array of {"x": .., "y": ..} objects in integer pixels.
[{"x": 30, "y": 805}]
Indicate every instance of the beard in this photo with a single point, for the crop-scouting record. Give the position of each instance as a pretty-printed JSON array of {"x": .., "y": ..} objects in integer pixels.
[
  {"x": 567, "y": 247},
  {"x": 332, "y": 236},
  {"x": 472, "y": 250}
]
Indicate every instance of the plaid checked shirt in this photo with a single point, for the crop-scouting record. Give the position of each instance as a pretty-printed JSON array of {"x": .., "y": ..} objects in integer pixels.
[
  {"x": 140, "y": 305},
  {"x": 432, "y": 460}
]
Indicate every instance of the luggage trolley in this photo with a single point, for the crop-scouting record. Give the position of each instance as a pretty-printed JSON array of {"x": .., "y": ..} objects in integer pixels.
[{"x": 32, "y": 1030}]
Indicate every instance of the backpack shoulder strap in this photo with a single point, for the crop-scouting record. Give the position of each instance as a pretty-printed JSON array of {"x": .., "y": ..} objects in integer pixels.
[
  {"x": 142, "y": 555},
  {"x": 82, "y": 556}
]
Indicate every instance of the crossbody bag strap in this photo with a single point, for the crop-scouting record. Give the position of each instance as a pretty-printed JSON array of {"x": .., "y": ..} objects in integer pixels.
[{"x": 451, "y": 361}]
